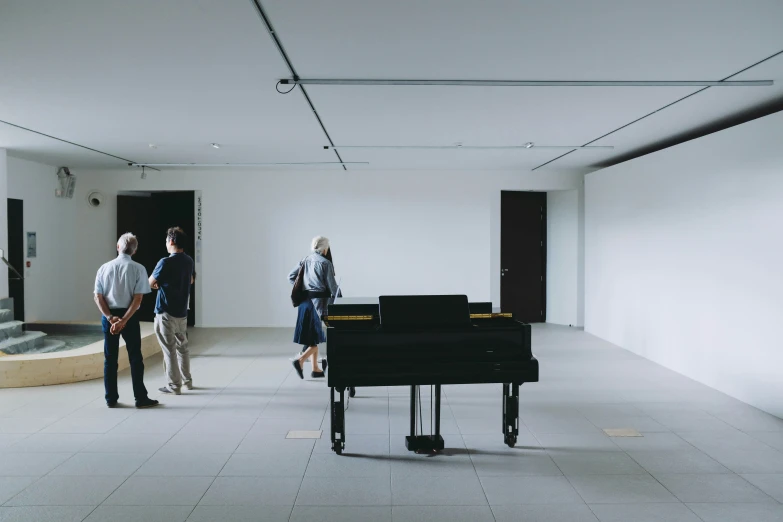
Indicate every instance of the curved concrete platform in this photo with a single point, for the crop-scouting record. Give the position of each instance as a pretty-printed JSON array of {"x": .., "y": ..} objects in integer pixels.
[{"x": 79, "y": 364}]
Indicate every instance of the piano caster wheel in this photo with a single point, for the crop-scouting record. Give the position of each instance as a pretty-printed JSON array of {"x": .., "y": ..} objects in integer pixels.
[
  {"x": 337, "y": 447},
  {"x": 351, "y": 392},
  {"x": 510, "y": 440}
]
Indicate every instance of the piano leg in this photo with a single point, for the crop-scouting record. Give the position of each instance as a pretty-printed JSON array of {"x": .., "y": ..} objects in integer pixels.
[
  {"x": 510, "y": 414},
  {"x": 437, "y": 411},
  {"x": 414, "y": 391},
  {"x": 424, "y": 443},
  {"x": 338, "y": 421}
]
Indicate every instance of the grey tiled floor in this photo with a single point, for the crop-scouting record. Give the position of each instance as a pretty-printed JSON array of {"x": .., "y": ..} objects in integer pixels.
[{"x": 220, "y": 452}]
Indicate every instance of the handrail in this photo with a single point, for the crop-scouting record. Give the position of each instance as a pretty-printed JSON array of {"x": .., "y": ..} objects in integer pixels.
[{"x": 14, "y": 270}]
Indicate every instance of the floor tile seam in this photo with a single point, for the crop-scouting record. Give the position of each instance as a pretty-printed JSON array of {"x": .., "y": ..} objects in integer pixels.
[
  {"x": 728, "y": 471},
  {"x": 49, "y": 473},
  {"x": 220, "y": 393},
  {"x": 741, "y": 430},
  {"x": 277, "y": 390},
  {"x": 481, "y": 483},
  {"x": 748, "y": 433},
  {"x": 125, "y": 479},
  {"x": 568, "y": 479},
  {"x": 672, "y": 493},
  {"x": 37, "y": 479},
  {"x": 610, "y": 438},
  {"x": 64, "y": 505},
  {"x": 209, "y": 487},
  {"x": 150, "y": 457},
  {"x": 301, "y": 481},
  {"x": 26, "y": 436},
  {"x": 98, "y": 453},
  {"x": 756, "y": 487}
]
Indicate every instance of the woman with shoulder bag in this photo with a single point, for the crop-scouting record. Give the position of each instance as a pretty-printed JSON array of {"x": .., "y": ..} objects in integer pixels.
[{"x": 314, "y": 284}]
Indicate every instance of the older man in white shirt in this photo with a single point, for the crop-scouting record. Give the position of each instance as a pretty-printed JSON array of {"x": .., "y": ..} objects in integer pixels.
[{"x": 119, "y": 288}]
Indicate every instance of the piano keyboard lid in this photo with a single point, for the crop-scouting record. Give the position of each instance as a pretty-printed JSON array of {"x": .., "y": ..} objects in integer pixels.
[{"x": 370, "y": 307}]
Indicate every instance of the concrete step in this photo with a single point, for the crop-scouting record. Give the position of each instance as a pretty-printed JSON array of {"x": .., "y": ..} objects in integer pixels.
[
  {"x": 11, "y": 329},
  {"x": 49, "y": 345},
  {"x": 6, "y": 316},
  {"x": 27, "y": 342}
]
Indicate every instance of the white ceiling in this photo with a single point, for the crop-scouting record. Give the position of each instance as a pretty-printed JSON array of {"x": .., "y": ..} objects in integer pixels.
[{"x": 116, "y": 76}]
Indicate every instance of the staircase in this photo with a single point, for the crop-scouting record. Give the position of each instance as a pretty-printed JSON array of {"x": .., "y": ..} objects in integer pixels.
[{"x": 15, "y": 340}]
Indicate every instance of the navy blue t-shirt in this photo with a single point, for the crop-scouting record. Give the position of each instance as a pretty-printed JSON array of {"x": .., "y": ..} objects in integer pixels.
[{"x": 173, "y": 275}]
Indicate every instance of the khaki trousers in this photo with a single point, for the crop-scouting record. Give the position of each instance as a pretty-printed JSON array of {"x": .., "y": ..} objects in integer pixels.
[{"x": 172, "y": 336}]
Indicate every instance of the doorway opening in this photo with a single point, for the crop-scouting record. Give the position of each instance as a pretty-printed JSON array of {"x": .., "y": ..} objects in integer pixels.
[{"x": 148, "y": 215}]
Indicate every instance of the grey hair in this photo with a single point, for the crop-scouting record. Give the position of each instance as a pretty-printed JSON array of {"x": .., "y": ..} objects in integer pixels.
[
  {"x": 128, "y": 243},
  {"x": 320, "y": 244}
]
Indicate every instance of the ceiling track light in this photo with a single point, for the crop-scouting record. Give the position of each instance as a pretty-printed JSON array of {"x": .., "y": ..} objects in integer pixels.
[
  {"x": 530, "y": 83},
  {"x": 527, "y": 146},
  {"x": 221, "y": 165}
]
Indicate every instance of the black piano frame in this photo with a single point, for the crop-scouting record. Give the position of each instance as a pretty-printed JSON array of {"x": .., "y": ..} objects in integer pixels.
[
  {"x": 497, "y": 347},
  {"x": 426, "y": 443}
]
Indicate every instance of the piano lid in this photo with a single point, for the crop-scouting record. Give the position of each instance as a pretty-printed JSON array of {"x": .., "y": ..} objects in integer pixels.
[
  {"x": 416, "y": 311},
  {"x": 363, "y": 306}
]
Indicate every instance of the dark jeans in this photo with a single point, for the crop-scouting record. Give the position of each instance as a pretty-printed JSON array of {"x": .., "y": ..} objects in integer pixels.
[{"x": 111, "y": 350}]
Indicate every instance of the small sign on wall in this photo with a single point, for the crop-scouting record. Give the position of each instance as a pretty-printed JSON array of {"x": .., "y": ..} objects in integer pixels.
[
  {"x": 31, "y": 248},
  {"x": 198, "y": 228}
]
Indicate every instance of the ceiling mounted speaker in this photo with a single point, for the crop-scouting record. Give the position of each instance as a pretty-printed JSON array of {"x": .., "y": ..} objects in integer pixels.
[{"x": 95, "y": 199}]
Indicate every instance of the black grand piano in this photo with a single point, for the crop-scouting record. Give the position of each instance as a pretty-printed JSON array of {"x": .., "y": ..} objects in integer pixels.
[{"x": 425, "y": 340}]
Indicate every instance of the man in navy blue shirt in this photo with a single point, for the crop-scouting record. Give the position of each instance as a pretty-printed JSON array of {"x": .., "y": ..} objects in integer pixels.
[{"x": 172, "y": 278}]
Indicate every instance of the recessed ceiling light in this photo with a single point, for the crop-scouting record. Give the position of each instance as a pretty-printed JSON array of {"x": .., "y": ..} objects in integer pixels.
[
  {"x": 153, "y": 146},
  {"x": 215, "y": 145},
  {"x": 529, "y": 145}
]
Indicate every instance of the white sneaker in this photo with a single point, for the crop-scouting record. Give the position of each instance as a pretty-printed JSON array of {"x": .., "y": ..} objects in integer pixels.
[{"x": 170, "y": 391}]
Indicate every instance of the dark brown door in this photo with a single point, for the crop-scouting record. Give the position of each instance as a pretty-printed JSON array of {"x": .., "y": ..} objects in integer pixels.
[
  {"x": 523, "y": 255},
  {"x": 16, "y": 255},
  {"x": 148, "y": 216}
]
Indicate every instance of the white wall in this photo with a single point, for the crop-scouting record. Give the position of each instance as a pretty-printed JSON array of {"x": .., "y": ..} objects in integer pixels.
[
  {"x": 684, "y": 259},
  {"x": 58, "y": 285},
  {"x": 562, "y": 257},
  {"x": 392, "y": 232},
  {"x": 580, "y": 266},
  {"x": 3, "y": 219}
]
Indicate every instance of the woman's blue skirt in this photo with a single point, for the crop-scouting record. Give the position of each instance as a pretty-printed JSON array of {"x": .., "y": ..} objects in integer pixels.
[{"x": 308, "y": 330}]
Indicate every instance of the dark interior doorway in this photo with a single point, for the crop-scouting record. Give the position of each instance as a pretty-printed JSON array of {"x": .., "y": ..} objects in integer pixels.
[
  {"x": 523, "y": 255},
  {"x": 16, "y": 255},
  {"x": 148, "y": 215}
]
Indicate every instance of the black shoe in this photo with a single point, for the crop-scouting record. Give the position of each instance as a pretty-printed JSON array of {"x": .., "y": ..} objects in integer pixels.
[
  {"x": 324, "y": 364},
  {"x": 111, "y": 404},
  {"x": 317, "y": 374},
  {"x": 146, "y": 403},
  {"x": 298, "y": 368}
]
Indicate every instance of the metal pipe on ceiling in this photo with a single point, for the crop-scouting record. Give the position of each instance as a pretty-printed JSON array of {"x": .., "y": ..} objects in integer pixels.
[
  {"x": 279, "y": 44},
  {"x": 221, "y": 165},
  {"x": 527, "y": 83},
  {"x": 471, "y": 147}
]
